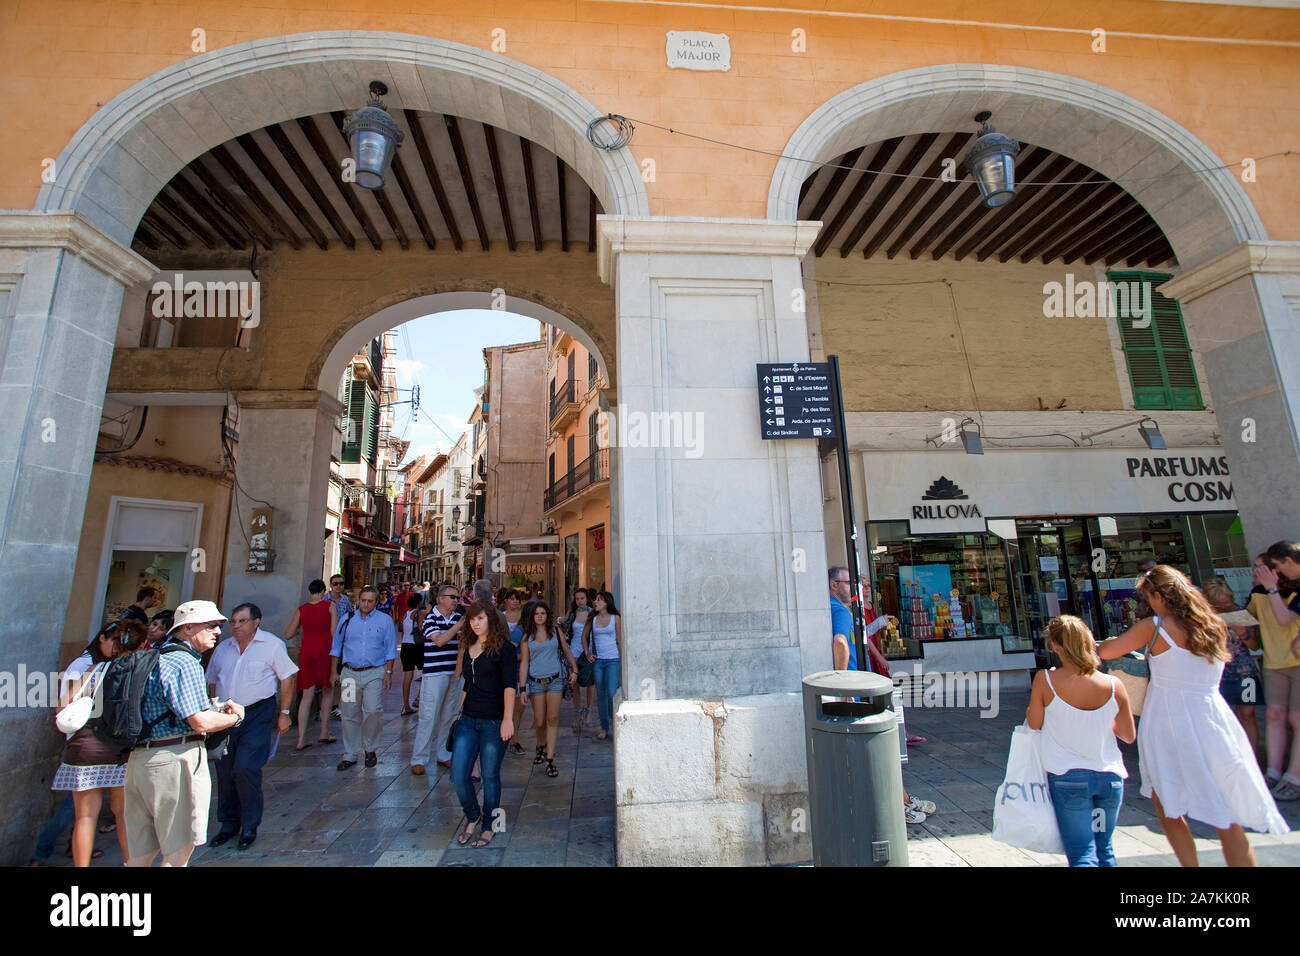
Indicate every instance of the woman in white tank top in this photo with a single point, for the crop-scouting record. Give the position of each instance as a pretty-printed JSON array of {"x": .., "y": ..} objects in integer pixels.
[{"x": 1081, "y": 711}]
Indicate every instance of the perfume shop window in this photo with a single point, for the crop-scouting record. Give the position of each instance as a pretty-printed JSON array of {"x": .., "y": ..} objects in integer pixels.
[{"x": 942, "y": 588}]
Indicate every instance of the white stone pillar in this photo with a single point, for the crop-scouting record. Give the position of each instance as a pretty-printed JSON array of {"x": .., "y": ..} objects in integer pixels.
[
  {"x": 61, "y": 285},
  {"x": 283, "y": 459},
  {"x": 721, "y": 556},
  {"x": 1243, "y": 317}
]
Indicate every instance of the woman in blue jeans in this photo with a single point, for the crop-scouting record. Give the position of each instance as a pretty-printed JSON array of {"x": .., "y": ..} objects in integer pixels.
[
  {"x": 602, "y": 636},
  {"x": 490, "y": 666},
  {"x": 1081, "y": 711}
]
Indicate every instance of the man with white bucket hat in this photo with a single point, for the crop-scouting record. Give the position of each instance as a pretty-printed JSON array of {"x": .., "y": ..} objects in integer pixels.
[{"x": 168, "y": 787}]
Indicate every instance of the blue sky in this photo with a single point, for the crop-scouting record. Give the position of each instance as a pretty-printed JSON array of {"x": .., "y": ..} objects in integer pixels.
[{"x": 444, "y": 353}]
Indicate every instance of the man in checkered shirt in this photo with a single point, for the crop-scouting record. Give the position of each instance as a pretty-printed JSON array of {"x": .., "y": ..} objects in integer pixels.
[{"x": 168, "y": 787}]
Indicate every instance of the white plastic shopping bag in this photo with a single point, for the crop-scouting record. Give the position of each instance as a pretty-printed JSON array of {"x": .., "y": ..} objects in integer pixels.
[{"x": 1022, "y": 813}]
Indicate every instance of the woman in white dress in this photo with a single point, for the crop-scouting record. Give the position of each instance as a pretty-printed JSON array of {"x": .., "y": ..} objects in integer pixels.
[{"x": 1195, "y": 758}]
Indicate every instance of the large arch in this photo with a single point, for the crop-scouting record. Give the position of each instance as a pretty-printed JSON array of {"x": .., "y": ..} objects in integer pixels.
[
  {"x": 1204, "y": 213},
  {"x": 353, "y": 333},
  {"x": 145, "y": 135}
]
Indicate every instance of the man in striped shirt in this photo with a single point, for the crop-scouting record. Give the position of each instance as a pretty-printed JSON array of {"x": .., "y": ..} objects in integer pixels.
[{"x": 438, "y": 699}]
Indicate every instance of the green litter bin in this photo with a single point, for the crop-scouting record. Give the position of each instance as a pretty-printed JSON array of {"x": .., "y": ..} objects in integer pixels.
[{"x": 855, "y": 783}]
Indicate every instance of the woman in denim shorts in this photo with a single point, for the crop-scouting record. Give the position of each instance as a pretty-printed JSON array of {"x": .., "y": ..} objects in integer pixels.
[
  {"x": 586, "y": 688},
  {"x": 539, "y": 662}
]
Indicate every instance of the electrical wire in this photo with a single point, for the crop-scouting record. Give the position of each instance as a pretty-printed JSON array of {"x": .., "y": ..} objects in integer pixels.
[{"x": 829, "y": 165}]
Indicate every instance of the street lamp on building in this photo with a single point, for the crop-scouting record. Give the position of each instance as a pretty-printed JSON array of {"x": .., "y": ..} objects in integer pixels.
[
  {"x": 374, "y": 136},
  {"x": 992, "y": 163}
]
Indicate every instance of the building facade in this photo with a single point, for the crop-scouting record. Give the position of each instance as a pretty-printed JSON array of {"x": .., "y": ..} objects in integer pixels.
[
  {"x": 576, "y": 503},
  {"x": 806, "y": 198}
]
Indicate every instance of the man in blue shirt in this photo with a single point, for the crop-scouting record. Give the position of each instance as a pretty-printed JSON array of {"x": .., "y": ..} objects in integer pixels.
[
  {"x": 844, "y": 653},
  {"x": 366, "y": 646}
]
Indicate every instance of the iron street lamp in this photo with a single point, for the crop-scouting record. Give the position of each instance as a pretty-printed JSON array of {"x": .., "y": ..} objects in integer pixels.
[
  {"x": 992, "y": 163},
  {"x": 374, "y": 136}
]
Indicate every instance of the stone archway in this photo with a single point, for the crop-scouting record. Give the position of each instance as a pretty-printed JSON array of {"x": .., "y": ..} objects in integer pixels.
[
  {"x": 1204, "y": 214},
  {"x": 327, "y": 365},
  {"x": 1234, "y": 285},
  {"x": 116, "y": 163}
]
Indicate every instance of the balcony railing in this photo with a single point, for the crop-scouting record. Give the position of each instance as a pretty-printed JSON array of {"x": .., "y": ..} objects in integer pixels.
[
  {"x": 563, "y": 400},
  {"x": 582, "y": 476}
]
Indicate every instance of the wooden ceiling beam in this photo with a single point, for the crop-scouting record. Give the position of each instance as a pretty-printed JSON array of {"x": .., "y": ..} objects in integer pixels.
[
  {"x": 164, "y": 202},
  {"x": 282, "y": 189},
  {"x": 281, "y": 140},
  {"x": 1125, "y": 214},
  {"x": 1022, "y": 208},
  {"x": 230, "y": 205},
  {"x": 207, "y": 211},
  {"x": 499, "y": 180},
  {"x": 1057, "y": 199},
  {"x": 877, "y": 162},
  {"x": 887, "y": 190},
  {"x": 982, "y": 213},
  {"x": 162, "y": 228},
  {"x": 435, "y": 181},
  {"x": 1109, "y": 201},
  {"x": 564, "y": 205},
  {"x": 255, "y": 195},
  {"x": 837, "y": 177},
  {"x": 1137, "y": 237},
  {"x": 466, "y": 178},
  {"x": 334, "y": 172},
  {"x": 530, "y": 180},
  {"x": 929, "y": 179}
]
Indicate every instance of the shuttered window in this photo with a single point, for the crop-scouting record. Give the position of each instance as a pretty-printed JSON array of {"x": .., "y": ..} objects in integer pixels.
[
  {"x": 1159, "y": 357},
  {"x": 361, "y": 430}
]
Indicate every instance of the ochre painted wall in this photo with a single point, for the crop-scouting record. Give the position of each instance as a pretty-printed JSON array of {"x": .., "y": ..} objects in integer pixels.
[
  {"x": 310, "y": 298},
  {"x": 64, "y": 58},
  {"x": 191, "y": 435},
  {"x": 891, "y": 322}
]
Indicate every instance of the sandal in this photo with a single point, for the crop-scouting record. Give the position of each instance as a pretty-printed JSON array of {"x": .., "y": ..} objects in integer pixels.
[
  {"x": 302, "y": 747},
  {"x": 469, "y": 832},
  {"x": 1286, "y": 791},
  {"x": 406, "y": 711},
  {"x": 550, "y": 767},
  {"x": 484, "y": 838},
  {"x": 914, "y": 740},
  {"x": 539, "y": 758},
  {"x": 328, "y": 740},
  {"x": 108, "y": 827},
  {"x": 602, "y": 736}
]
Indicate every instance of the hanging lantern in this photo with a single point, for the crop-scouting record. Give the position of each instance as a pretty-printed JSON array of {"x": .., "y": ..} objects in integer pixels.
[
  {"x": 374, "y": 136},
  {"x": 992, "y": 163}
]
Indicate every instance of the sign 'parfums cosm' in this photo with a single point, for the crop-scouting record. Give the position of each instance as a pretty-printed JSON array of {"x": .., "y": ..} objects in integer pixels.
[{"x": 1184, "y": 467}]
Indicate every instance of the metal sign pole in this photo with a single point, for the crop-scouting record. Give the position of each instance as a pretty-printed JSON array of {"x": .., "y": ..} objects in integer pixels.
[{"x": 846, "y": 501}]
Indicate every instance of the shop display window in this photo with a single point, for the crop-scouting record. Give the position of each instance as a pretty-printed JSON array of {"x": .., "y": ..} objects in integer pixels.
[{"x": 954, "y": 587}]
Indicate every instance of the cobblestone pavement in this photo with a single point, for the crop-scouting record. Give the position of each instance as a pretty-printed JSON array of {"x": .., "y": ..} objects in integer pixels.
[
  {"x": 962, "y": 763},
  {"x": 382, "y": 816},
  {"x": 316, "y": 815}
]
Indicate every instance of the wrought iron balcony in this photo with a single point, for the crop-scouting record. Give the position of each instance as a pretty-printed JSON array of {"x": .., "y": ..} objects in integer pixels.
[
  {"x": 564, "y": 404},
  {"x": 584, "y": 474}
]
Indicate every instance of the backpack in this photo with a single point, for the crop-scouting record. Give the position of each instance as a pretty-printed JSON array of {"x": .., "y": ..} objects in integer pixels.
[{"x": 121, "y": 721}]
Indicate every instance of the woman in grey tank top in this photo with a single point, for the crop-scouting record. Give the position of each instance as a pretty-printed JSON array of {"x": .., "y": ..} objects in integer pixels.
[{"x": 541, "y": 678}]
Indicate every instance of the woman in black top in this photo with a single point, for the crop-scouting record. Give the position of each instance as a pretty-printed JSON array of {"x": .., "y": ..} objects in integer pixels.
[{"x": 490, "y": 666}]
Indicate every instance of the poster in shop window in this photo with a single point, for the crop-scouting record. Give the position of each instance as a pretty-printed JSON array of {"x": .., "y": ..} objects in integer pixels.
[{"x": 934, "y": 579}]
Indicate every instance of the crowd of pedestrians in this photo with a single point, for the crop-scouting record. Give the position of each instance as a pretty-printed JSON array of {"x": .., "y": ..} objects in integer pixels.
[
  {"x": 477, "y": 660},
  {"x": 1197, "y": 734}
]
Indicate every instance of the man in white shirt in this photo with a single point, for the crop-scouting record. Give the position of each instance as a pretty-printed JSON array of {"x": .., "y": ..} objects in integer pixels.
[{"x": 251, "y": 669}]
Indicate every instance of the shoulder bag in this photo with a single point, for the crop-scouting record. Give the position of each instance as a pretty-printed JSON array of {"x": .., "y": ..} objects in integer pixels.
[{"x": 1134, "y": 671}]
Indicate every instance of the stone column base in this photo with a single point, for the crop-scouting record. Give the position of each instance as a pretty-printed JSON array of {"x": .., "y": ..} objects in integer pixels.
[{"x": 717, "y": 782}]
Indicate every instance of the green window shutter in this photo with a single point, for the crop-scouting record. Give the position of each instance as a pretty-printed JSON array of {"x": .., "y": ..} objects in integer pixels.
[
  {"x": 370, "y": 436},
  {"x": 1159, "y": 356},
  {"x": 354, "y": 400}
]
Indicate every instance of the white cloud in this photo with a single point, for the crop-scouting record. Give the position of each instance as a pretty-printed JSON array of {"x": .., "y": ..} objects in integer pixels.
[{"x": 408, "y": 367}]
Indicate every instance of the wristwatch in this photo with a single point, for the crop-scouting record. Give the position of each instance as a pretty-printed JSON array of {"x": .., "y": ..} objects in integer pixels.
[{"x": 1272, "y": 591}]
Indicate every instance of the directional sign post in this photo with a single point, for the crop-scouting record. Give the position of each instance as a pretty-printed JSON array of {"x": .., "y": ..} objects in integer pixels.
[
  {"x": 796, "y": 400},
  {"x": 803, "y": 400}
]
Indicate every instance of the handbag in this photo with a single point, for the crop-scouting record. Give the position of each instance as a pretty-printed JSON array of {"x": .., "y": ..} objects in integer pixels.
[
  {"x": 451, "y": 733},
  {"x": 1022, "y": 810},
  {"x": 1133, "y": 670},
  {"x": 73, "y": 717}
]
